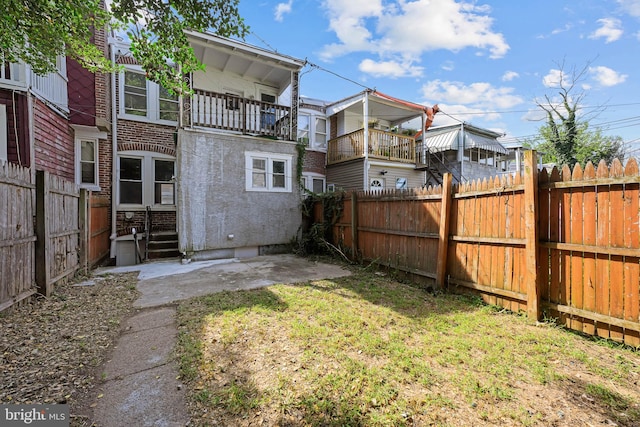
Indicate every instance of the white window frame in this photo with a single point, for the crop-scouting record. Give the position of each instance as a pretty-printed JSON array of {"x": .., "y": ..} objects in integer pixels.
[
  {"x": 269, "y": 159},
  {"x": 309, "y": 177},
  {"x": 315, "y": 130},
  {"x": 153, "y": 100},
  {"x": 87, "y": 133},
  {"x": 374, "y": 187},
  {"x": 148, "y": 180},
  {"x": 4, "y": 132}
]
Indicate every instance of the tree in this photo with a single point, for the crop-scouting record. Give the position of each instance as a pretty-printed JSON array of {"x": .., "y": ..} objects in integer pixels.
[
  {"x": 37, "y": 31},
  {"x": 590, "y": 146},
  {"x": 567, "y": 139}
]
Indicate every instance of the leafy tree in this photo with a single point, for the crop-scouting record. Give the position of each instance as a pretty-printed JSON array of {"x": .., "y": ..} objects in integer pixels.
[
  {"x": 566, "y": 138},
  {"x": 590, "y": 145},
  {"x": 36, "y": 31}
]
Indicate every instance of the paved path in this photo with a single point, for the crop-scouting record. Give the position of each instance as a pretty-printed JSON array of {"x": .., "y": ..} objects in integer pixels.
[{"x": 141, "y": 387}]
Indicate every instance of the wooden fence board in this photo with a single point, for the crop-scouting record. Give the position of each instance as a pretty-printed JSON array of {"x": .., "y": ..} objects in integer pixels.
[
  {"x": 616, "y": 264},
  {"x": 589, "y": 238},
  {"x": 588, "y": 233},
  {"x": 602, "y": 261},
  {"x": 576, "y": 237},
  {"x": 631, "y": 265}
]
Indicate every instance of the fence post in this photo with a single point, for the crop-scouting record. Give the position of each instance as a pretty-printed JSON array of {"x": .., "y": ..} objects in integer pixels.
[
  {"x": 354, "y": 225},
  {"x": 83, "y": 225},
  {"x": 443, "y": 236},
  {"x": 531, "y": 234},
  {"x": 42, "y": 234}
]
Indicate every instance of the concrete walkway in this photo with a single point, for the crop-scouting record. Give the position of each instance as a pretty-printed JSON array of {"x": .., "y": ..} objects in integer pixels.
[{"x": 141, "y": 386}]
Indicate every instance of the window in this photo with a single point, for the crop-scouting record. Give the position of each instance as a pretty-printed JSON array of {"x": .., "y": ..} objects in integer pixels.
[
  {"x": 146, "y": 100},
  {"x": 376, "y": 184},
  {"x": 130, "y": 180},
  {"x": 135, "y": 94},
  {"x": 164, "y": 187},
  {"x": 268, "y": 113},
  {"x": 146, "y": 179},
  {"x": 88, "y": 167},
  {"x": 168, "y": 105},
  {"x": 268, "y": 172},
  {"x": 321, "y": 133},
  {"x": 3, "y": 133},
  {"x": 304, "y": 124},
  {"x": 86, "y": 156},
  {"x": 314, "y": 183}
]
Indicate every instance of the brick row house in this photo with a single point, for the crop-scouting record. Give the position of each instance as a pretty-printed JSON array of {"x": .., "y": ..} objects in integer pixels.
[{"x": 212, "y": 175}]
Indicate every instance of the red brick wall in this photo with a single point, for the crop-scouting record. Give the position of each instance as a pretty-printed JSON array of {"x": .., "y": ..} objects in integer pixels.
[
  {"x": 160, "y": 221},
  {"x": 53, "y": 142},
  {"x": 314, "y": 161}
]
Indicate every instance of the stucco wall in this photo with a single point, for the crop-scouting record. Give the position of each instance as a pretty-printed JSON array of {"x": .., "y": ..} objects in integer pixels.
[{"x": 213, "y": 202}]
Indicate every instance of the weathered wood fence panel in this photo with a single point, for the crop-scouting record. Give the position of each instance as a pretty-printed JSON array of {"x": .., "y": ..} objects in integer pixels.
[
  {"x": 17, "y": 237},
  {"x": 563, "y": 244},
  {"x": 57, "y": 229}
]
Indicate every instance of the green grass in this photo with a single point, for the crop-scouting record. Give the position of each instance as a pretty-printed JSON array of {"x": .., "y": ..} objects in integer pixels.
[{"x": 365, "y": 350}]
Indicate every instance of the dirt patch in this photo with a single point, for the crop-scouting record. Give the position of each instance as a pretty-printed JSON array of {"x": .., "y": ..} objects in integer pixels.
[{"x": 51, "y": 349}]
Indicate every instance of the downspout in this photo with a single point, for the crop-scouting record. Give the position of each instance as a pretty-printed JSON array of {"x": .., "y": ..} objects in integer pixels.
[
  {"x": 365, "y": 107},
  {"x": 424, "y": 146},
  {"x": 114, "y": 157}
]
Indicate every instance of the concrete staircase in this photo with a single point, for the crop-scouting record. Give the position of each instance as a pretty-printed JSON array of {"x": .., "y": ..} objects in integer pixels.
[{"x": 163, "y": 244}]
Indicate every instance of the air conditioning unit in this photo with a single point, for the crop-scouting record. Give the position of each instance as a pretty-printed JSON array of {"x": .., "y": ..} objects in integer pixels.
[{"x": 331, "y": 188}]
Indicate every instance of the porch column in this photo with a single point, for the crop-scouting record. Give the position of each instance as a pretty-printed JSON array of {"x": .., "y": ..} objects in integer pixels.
[{"x": 365, "y": 124}]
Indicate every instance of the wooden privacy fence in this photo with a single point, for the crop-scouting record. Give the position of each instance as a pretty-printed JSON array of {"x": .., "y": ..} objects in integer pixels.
[
  {"x": 17, "y": 236},
  {"x": 48, "y": 231},
  {"x": 562, "y": 245}
]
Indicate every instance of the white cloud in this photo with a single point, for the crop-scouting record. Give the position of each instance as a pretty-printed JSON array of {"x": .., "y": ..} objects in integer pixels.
[
  {"x": 391, "y": 69},
  {"x": 478, "y": 95},
  {"x": 282, "y": 9},
  {"x": 607, "y": 77},
  {"x": 405, "y": 30},
  {"x": 509, "y": 75},
  {"x": 610, "y": 30},
  {"x": 632, "y": 7},
  {"x": 556, "y": 77}
]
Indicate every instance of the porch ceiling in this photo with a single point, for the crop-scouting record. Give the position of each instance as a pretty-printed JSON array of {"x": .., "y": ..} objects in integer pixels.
[
  {"x": 250, "y": 62},
  {"x": 382, "y": 107}
]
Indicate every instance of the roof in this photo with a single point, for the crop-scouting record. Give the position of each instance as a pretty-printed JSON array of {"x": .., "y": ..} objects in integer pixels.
[
  {"x": 446, "y": 138},
  {"x": 395, "y": 110}
]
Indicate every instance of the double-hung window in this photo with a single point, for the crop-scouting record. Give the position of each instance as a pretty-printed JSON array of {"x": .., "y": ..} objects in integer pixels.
[
  {"x": 145, "y": 100},
  {"x": 268, "y": 172},
  {"x": 145, "y": 179},
  {"x": 87, "y": 141}
]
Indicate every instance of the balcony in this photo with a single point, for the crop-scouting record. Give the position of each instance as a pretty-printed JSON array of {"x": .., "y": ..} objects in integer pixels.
[
  {"x": 236, "y": 114},
  {"x": 382, "y": 145},
  {"x": 51, "y": 87}
]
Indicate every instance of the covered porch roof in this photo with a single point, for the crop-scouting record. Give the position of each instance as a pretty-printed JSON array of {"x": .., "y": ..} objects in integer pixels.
[
  {"x": 394, "y": 110},
  {"x": 247, "y": 61}
]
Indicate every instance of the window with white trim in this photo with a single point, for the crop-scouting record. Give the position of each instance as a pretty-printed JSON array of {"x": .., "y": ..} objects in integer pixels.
[
  {"x": 87, "y": 141},
  {"x": 3, "y": 133},
  {"x": 88, "y": 172},
  {"x": 312, "y": 130},
  {"x": 145, "y": 179},
  {"x": 142, "y": 99},
  {"x": 314, "y": 183},
  {"x": 268, "y": 172},
  {"x": 304, "y": 125},
  {"x": 320, "y": 140}
]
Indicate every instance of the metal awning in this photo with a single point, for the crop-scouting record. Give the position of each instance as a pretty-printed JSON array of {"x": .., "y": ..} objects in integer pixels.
[{"x": 478, "y": 141}]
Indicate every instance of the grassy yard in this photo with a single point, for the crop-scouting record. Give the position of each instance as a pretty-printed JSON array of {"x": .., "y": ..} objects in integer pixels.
[{"x": 366, "y": 350}]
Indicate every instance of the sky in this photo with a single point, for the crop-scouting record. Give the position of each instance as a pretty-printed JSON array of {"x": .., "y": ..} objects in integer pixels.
[{"x": 486, "y": 63}]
